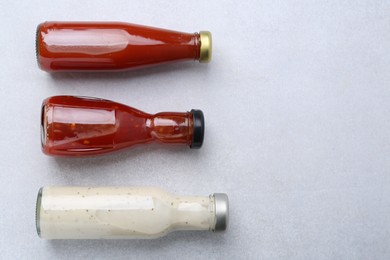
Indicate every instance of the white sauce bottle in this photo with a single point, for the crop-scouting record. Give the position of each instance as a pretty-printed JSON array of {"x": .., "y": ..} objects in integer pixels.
[{"x": 124, "y": 212}]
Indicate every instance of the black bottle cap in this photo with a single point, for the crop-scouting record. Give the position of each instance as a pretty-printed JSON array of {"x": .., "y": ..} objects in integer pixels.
[{"x": 198, "y": 132}]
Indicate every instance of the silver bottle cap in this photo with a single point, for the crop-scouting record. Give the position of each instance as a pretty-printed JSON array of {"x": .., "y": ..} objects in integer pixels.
[{"x": 221, "y": 211}]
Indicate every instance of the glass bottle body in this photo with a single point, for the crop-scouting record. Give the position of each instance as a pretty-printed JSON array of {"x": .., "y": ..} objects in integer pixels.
[
  {"x": 124, "y": 212},
  {"x": 114, "y": 46},
  {"x": 78, "y": 126}
]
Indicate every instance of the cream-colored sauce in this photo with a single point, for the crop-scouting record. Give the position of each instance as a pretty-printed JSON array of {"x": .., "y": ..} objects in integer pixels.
[{"x": 119, "y": 212}]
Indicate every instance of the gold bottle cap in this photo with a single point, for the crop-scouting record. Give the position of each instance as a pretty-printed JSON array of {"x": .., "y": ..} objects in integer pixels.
[{"x": 205, "y": 46}]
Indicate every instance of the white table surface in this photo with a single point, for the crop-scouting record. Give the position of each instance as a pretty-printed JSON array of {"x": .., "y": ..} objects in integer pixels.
[{"x": 296, "y": 101}]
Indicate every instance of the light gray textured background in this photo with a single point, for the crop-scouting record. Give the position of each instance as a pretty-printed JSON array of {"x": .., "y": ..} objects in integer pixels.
[{"x": 296, "y": 100}]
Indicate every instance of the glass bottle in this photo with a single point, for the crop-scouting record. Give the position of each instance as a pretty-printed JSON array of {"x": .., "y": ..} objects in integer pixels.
[
  {"x": 81, "y": 126},
  {"x": 124, "y": 212},
  {"x": 114, "y": 46}
]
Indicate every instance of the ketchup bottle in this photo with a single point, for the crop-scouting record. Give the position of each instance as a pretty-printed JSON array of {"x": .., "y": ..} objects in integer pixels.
[
  {"x": 114, "y": 46},
  {"x": 81, "y": 126}
]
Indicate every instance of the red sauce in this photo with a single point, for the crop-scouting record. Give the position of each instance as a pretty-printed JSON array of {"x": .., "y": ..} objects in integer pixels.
[
  {"x": 78, "y": 126},
  {"x": 91, "y": 46}
]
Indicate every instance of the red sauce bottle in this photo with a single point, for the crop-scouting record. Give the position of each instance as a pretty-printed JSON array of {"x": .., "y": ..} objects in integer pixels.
[
  {"x": 114, "y": 46},
  {"x": 81, "y": 126}
]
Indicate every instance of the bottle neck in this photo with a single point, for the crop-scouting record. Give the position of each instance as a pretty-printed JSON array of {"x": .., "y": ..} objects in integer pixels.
[
  {"x": 170, "y": 127},
  {"x": 196, "y": 40},
  {"x": 193, "y": 213}
]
